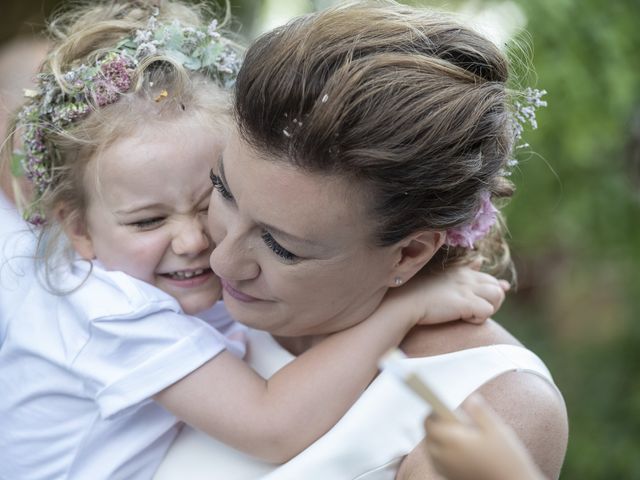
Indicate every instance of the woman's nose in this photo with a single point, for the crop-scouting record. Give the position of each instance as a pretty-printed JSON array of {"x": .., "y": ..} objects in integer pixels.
[
  {"x": 191, "y": 238},
  {"x": 232, "y": 257}
]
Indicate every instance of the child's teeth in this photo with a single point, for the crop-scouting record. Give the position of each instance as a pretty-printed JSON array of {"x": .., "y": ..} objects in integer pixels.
[{"x": 183, "y": 275}]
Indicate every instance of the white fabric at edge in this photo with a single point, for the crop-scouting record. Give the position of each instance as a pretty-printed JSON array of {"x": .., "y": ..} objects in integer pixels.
[{"x": 370, "y": 441}]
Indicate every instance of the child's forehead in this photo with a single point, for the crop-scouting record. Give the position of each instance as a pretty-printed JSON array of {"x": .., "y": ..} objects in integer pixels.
[
  {"x": 156, "y": 156},
  {"x": 162, "y": 139},
  {"x": 171, "y": 132}
]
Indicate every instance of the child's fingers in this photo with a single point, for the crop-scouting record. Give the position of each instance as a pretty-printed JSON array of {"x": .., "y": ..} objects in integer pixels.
[
  {"x": 480, "y": 310},
  {"x": 485, "y": 278},
  {"x": 476, "y": 263},
  {"x": 435, "y": 427},
  {"x": 481, "y": 413},
  {"x": 440, "y": 435},
  {"x": 441, "y": 430},
  {"x": 431, "y": 421},
  {"x": 493, "y": 293},
  {"x": 436, "y": 453}
]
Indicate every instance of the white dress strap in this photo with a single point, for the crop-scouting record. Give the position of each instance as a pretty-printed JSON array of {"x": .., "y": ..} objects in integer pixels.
[{"x": 373, "y": 437}]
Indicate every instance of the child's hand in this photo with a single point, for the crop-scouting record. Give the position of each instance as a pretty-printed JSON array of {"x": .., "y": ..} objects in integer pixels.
[
  {"x": 486, "y": 449},
  {"x": 460, "y": 293}
]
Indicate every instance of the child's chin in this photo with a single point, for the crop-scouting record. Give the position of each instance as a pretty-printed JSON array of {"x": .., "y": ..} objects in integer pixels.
[{"x": 193, "y": 306}]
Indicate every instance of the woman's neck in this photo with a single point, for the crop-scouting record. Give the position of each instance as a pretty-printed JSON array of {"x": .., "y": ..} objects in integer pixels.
[{"x": 299, "y": 345}]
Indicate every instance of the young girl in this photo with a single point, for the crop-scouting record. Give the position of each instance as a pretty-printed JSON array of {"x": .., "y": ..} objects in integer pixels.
[{"x": 107, "y": 344}]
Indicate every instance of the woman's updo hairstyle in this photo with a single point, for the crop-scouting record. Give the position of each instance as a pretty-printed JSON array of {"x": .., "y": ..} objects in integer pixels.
[{"x": 410, "y": 104}]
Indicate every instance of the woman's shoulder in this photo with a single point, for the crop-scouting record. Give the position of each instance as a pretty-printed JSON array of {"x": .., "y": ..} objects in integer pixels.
[
  {"x": 531, "y": 404},
  {"x": 429, "y": 340}
]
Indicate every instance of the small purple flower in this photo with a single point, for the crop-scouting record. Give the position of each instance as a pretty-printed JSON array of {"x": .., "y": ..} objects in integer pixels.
[
  {"x": 152, "y": 24},
  {"x": 104, "y": 93},
  {"x": 212, "y": 29},
  {"x": 117, "y": 73},
  {"x": 143, "y": 36},
  {"x": 68, "y": 112},
  {"x": 146, "y": 50},
  {"x": 525, "y": 112},
  {"x": 35, "y": 218},
  {"x": 467, "y": 235}
]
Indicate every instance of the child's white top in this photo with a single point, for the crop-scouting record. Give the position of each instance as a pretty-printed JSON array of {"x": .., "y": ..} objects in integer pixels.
[
  {"x": 77, "y": 371},
  {"x": 372, "y": 439}
]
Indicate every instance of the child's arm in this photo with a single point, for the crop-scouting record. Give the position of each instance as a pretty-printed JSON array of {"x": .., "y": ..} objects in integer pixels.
[
  {"x": 277, "y": 418},
  {"x": 486, "y": 449}
]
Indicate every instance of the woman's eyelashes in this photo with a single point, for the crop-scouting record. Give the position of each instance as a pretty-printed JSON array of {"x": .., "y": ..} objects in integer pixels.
[
  {"x": 278, "y": 249},
  {"x": 219, "y": 186},
  {"x": 267, "y": 238}
]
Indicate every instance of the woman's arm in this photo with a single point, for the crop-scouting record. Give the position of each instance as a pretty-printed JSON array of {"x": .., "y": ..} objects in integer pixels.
[{"x": 527, "y": 403}]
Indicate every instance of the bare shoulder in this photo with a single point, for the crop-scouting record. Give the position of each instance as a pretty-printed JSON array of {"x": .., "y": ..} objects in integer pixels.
[
  {"x": 537, "y": 413},
  {"x": 528, "y": 403},
  {"x": 425, "y": 341}
]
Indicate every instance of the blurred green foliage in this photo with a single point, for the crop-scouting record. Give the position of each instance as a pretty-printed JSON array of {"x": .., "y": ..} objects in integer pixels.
[{"x": 575, "y": 225}]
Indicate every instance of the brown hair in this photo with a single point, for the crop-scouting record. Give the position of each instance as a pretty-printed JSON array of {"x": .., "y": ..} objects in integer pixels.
[
  {"x": 409, "y": 103},
  {"x": 80, "y": 36}
]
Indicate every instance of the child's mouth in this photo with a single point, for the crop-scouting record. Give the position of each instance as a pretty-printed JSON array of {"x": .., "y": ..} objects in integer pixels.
[{"x": 187, "y": 274}]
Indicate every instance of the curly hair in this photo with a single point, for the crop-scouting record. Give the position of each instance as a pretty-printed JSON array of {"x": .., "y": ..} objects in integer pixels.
[{"x": 80, "y": 36}]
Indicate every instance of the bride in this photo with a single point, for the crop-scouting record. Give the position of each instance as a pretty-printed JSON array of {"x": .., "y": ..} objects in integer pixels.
[{"x": 371, "y": 143}]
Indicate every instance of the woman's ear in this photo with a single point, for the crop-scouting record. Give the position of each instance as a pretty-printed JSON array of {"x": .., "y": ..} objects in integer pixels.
[
  {"x": 75, "y": 229},
  {"x": 413, "y": 253}
]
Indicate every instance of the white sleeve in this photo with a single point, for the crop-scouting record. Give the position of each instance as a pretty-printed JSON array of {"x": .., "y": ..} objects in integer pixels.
[
  {"x": 235, "y": 333},
  {"x": 10, "y": 220},
  {"x": 128, "y": 359},
  {"x": 17, "y": 249},
  {"x": 17, "y": 237}
]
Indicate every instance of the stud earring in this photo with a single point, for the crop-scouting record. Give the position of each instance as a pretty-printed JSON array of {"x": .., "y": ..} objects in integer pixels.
[{"x": 397, "y": 281}]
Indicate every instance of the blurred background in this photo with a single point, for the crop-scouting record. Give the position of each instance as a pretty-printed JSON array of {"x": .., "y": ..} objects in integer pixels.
[{"x": 575, "y": 219}]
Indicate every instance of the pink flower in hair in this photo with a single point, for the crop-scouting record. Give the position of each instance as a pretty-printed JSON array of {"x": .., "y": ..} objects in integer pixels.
[{"x": 468, "y": 235}]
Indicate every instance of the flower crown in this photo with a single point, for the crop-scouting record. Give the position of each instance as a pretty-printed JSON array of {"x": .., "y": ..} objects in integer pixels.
[
  {"x": 52, "y": 107},
  {"x": 468, "y": 234}
]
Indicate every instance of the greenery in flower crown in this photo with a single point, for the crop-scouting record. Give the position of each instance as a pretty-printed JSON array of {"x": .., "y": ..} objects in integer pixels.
[{"x": 52, "y": 107}]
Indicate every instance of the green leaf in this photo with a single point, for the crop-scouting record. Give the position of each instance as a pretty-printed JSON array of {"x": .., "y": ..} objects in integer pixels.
[
  {"x": 211, "y": 54},
  {"x": 193, "y": 63},
  {"x": 187, "y": 62},
  {"x": 17, "y": 169},
  {"x": 173, "y": 37},
  {"x": 128, "y": 43}
]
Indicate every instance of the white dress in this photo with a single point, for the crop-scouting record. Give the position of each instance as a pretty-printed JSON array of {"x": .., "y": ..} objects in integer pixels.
[{"x": 371, "y": 440}]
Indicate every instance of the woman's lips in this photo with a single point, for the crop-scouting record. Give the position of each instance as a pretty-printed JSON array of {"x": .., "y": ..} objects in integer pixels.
[{"x": 238, "y": 295}]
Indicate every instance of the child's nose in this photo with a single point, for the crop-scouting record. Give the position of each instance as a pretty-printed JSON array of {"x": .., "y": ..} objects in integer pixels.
[{"x": 191, "y": 238}]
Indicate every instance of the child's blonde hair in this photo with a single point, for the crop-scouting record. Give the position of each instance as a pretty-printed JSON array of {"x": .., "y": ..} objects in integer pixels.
[{"x": 162, "y": 90}]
